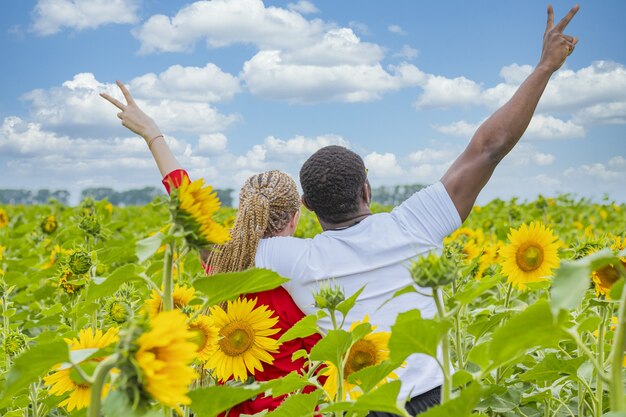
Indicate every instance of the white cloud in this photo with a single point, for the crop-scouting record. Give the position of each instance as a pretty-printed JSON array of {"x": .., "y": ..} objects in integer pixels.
[
  {"x": 572, "y": 102},
  {"x": 337, "y": 47},
  {"x": 515, "y": 74},
  {"x": 540, "y": 127},
  {"x": 396, "y": 29},
  {"x": 459, "y": 128},
  {"x": 266, "y": 75},
  {"x": 548, "y": 127},
  {"x": 212, "y": 143},
  {"x": 617, "y": 162},
  {"x": 442, "y": 92},
  {"x": 596, "y": 170},
  {"x": 359, "y": 27},
  {"x": 301, "y": 146},
  {"x": 382, "y": 165},
  {"x": 209, "y": 83},
  {"x": 50, "y": 16},
  {"x": 224, "y": 22},
  {"x": 429, "y": 155},
  {"x": 275, "y": 153},
  {"x": 603, "y": 113},
  {"x": 601, "y": 82},
  {"x": 75, "y": 108},
  {"x": 21, "y": 138},
  {"x": 548, "y": 180},
  {"x": 303, "y": 7},
  {"x": 542, "y": 159},
  {"x": 406, "y": 52}
]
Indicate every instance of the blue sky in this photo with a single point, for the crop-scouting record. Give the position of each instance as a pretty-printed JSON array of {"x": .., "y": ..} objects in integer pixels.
[{"x": 241, "y": 86}]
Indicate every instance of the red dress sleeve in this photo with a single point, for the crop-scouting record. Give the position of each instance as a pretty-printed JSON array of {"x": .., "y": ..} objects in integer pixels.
[{"x": 174, "y": 179}]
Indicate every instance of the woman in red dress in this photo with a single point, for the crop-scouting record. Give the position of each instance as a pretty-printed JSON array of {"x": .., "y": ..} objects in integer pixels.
[{"x": 268, "y": 206}]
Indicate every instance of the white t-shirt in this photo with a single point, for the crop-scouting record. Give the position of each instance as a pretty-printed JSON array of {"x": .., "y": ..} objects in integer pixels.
[{"x": 376, "y": 253}]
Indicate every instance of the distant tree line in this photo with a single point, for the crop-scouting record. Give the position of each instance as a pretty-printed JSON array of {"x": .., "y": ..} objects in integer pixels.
[
  {"x": 394, "y": 195},
  {"x": 386, "y": 195},
  {"x": 119, "y": 198},
  {"x": 33, "y": 197}
]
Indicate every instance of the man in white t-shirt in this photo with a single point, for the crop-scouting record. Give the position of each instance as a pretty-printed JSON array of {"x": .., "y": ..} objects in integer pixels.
[{"x": 358, "y": 248}]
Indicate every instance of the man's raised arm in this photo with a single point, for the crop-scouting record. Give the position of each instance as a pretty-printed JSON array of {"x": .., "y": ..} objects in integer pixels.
[{"x": 502, "y": 130}]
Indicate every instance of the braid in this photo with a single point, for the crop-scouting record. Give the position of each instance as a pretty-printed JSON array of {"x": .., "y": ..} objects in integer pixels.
[{"x": 266, "y": 203}]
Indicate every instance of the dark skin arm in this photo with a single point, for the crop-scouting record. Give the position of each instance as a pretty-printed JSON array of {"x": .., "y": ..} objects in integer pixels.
[{"x": 495, "y": 138}]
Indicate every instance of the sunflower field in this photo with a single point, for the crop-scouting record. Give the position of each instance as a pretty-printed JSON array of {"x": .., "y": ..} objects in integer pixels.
[{"x": 108, "y": 311}]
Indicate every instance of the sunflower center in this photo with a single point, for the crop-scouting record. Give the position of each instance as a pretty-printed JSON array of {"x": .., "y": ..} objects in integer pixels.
[
  {"x": 237, "y": 338},
  {"x": 529, "y": 256},
  {"x": 608, "y": 275},
  {"x": 362, "y": 355},
  {"x": 199, "y": 337},
  {"x": 88, "y": 367}
]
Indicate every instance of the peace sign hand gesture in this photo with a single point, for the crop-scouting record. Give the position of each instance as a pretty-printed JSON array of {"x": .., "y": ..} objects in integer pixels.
[
  {"x": 557, "y": 46},
  {"x": 132, "y": 116}
]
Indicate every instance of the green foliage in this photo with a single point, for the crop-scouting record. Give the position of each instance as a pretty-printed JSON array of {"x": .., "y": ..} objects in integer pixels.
[
  {"x": 226, "y": 286},
  {"x": 543, "y": 351}
]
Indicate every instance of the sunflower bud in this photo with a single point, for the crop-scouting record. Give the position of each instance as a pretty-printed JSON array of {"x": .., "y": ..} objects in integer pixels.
[
  {"x": 117, "y": 310},
  {"x": 329, "y": 296},
  {"x": 88, "y": 206},
  {"x": 49, "y": 225},
  {"x": 90, "y": 225},
  {"x": 433, "y": 271},
  {"x": 79, "y": 262},
  {"x": 14, "y": 343},
  {"x": 586, "y": 246}
]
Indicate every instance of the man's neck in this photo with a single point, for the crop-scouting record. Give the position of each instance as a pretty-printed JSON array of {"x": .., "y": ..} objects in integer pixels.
[{"x": 350, "y": 221}]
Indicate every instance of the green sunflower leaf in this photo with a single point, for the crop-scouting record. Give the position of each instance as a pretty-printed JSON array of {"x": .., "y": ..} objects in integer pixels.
[{"x": 226, "y": 286}]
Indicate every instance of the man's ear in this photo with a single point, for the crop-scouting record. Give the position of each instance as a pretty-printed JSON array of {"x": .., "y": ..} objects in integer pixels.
[
  {"x": 305, "y": 203},
  {"x": 366, "y": 192}
]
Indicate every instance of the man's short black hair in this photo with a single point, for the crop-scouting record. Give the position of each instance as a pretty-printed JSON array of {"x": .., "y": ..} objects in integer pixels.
[{"x": 332, "y": 181}]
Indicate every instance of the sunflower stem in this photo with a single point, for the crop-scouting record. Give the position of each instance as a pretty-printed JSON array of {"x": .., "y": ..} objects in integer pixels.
[
  {"x": 445, "y": 349},
  {"x": 100, "y": 375},
  {"x": 82, "y": 374},
  {"x": 589, "y": 354},
  {"x": 168, "y": 302},
  {"x": 600, "y": 353},
  {"x": 616, "y": 386},
  {"x": 507, "y": 298}
]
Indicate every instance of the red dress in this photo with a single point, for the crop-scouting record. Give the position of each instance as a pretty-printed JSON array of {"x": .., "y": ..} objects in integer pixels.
[{"x": 288, "y": 314}]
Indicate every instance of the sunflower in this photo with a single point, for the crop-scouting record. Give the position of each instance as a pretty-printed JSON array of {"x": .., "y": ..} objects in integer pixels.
[
  {"x": 71, "y": 283},
  {"x": 605, "y": 277},
  {"x": 195, "y": 206},
  {"x": 205, "y": 336},
  {"x": 369, "y": 351},
  {"x": 531, "y": 256},
  {"x": 67, "y": 379},
  {"x": 164, "y": 354},
  {"x": 55, "y": 254},
  {"x": 245, "y": 341},
  {"x": 49, "y": 225},
  {"x": 181, "y": 296},
  {"x": 488, "y": 257},
  {"x": 4, "y": 218}
]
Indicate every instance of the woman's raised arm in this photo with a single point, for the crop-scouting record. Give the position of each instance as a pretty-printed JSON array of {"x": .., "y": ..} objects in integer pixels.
[{"x": 134, "y": 119}]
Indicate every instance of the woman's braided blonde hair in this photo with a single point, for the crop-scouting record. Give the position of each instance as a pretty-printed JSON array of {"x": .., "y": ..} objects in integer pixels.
[{"x": 266, "y": 203}]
